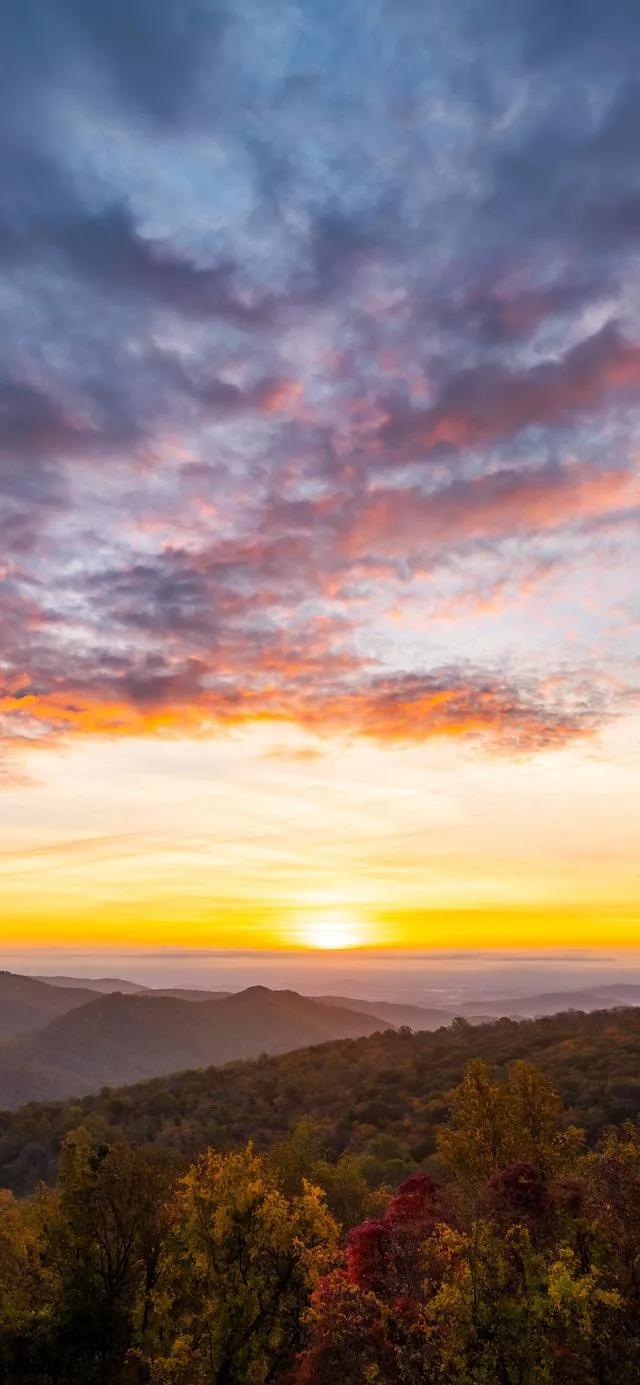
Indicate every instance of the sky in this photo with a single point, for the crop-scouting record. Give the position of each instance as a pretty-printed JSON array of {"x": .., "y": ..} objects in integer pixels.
[{"x": 319, "y": 477}]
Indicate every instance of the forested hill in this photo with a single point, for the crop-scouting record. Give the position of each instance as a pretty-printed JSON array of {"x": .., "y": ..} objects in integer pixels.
[
  {"x": 383, "y": 1096},
  {"x": 131, "y": 1038}
]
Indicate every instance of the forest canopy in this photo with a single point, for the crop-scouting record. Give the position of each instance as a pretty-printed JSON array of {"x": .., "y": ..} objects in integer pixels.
[
  {"x": 515, "y": 1262},
  {"x": 380, "y": 1099}
]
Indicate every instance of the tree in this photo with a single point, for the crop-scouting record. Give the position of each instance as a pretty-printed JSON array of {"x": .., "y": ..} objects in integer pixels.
[
  {"x": 25, "y": 1285},
  {"x": 421, "y": 1300},
  {"x": 244, "y": 1260},
  {"x": 493, "y": 1278},
  {"x": 478, "y": 1139},
  {"x": 103, "y": 1240},
  {"x": 496, "y": 1123},
  {"x": 366, "y": 1319},
  {"x": 349, "y": 1197}
]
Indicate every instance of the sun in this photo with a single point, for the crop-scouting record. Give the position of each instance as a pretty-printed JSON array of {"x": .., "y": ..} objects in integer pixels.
[{"x": 331, "y": 931}]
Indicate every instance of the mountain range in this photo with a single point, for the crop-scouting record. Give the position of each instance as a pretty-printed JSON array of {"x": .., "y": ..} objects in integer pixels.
[
  {"x": 67, "y": 1036},
  {"x": 119, "y": 1038},
  {"x": 27, "y": 1003}
]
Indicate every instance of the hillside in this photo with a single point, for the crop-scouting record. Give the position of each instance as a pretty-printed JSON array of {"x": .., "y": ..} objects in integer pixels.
[
  {"x": 383, "y": 1096},
  {"x": 125, "y": 1038},
  {"x": 553, "y": 1002},
  {"x": 26, "y": 1003},
  {"x": 416, "y": 1015},
  {"x": 396, "y": 1014}
]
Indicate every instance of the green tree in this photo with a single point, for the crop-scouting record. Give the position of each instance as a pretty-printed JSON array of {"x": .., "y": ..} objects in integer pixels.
[
  {"x": 349, "y": 1196},
  {"x": 292, "y": 1160},
  {"x": 478, "y": 1139}
]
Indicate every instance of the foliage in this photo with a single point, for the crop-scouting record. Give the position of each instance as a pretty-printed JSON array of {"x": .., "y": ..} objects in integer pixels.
[
  {"x": 507, "y": 1274},
  {"x": 238, "y": 1276},
  {"x": 495, "y": 1124},
  {"x": 103, "y": 1236},
  {"x": 381, "y": 1099},
  {"x": 126, "y": 1275},
  {"x": 514, "y": 1261}
]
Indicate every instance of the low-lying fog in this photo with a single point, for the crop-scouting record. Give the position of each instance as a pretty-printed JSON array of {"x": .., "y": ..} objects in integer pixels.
[{"x": 413, "y": 977}]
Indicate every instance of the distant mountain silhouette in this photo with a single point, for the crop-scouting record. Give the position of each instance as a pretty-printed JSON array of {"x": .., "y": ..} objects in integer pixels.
[
  {"x": 394, "y": 1013},
  {"x": 103, "y": 984},
  {"x": 191, "y": 993},
  {"x": 552, "y": 1002},
  {"x": 26, "y": 1003},
  {"x": 58, "y": 1040},
  {"x": 117, "y": 1039},
  {"x": 621, "y": 993},
  {"x": 106, "y": 985}
]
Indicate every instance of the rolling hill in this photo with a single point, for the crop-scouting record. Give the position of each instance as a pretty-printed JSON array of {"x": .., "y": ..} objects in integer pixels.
[
  {"x": 395, "y": 1014},
  {"x": 124, "y": 1038},
  {"x": 106, "y": 985},
  {"x": 26, "y": 1003},
  {"x": 382, "y": 1097},
  {"x": 58, "y": 1041},
  {"x": 555, "y": 1002}
]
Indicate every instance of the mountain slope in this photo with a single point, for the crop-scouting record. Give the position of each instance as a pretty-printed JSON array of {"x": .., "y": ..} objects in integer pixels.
[
  {"x": 552, "y": 1002},
  {"x": 382, "y": 1097},
  {"x": 117, "y": 1039},
  {"x": 395, "y": 1014},
  {"x": 192, "y": 993},
  {"x": 26, "y": 1003},
  {"x": 106, "y": 985}
]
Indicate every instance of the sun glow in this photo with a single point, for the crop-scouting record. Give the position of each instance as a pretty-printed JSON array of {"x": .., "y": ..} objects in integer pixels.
[{"x": 332, "y": 931}]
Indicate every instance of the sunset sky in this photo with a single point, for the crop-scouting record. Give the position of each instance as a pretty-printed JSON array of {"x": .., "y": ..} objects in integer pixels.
[{"x": 320, "y": 474}]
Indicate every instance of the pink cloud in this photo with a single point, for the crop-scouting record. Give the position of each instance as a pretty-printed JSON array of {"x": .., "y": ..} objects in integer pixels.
[
  {"x": 482, "y": 404},
  {"x": 501, "y": 502}
]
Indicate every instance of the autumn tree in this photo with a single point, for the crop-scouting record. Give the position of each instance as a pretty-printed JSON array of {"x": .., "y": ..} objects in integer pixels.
[
  {"x": 25, "y": 1286},
  {"x": 244, "y": 1260},
  {"x": 492, "y": 1278},
  {"x": 421, "y": 1300},
  {"x": 104, "y": 1235},
  {"x": 496, "y": 1123},
  {"x": 348, "y": 1194}
]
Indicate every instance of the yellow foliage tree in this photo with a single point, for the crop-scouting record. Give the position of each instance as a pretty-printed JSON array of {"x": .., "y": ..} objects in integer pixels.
[
  {"x": 497, "y": 1123},
  {"x": 238, "y": 1277}
]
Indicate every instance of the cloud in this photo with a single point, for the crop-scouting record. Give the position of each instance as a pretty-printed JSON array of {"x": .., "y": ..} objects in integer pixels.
[
  {"x": 487, "y": 403},
  {"x": 34, "y": 425},
  {"x": 462, "y": 702},
  {"x": 151, "y": 54},
  {"x": 305, "y": 325},
  {"x": 44, "y": 216},
  {"x": 320, "y": 692},
  {"x": 487, "y": 507}
]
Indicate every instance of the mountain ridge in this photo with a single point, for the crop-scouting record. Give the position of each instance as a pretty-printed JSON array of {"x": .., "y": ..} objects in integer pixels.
[
  {"x": 26, "y": 1003},
  {"x": 115, "y": 1039},
  {"x": 383, "y": 1095}
]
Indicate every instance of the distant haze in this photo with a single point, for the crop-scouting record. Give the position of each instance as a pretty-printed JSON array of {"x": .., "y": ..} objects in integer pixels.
[{"x": 413, "y": 977}]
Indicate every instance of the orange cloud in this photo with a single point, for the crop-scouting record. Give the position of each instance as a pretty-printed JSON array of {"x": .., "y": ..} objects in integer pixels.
[{"x": 400, "y": 708}]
